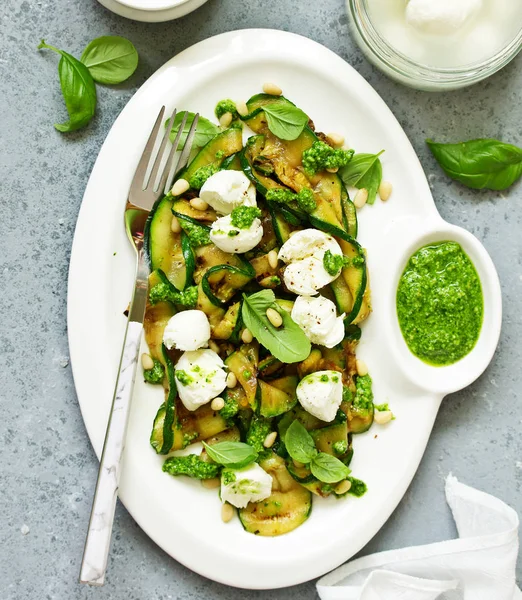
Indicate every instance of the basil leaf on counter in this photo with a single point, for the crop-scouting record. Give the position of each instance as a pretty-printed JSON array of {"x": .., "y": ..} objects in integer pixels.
[
  {"x": 299, "y": 443},
  {"x": 287, "y": 343},
  {"x": 205, "y": 129},
  {"x": 285, "y": 121},
  {"x": 363, "y": 171},
  {"x": 235, "y": 455},
  {"x": 328, "y": 469},
  {"x": 110, "y": 59},
  {"x": 78, "y": 89},
  {"x": 480, "y": 164}
]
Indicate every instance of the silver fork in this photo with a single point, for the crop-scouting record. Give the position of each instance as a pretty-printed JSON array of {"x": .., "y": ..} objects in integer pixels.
[{"x": 144, "y": 191}]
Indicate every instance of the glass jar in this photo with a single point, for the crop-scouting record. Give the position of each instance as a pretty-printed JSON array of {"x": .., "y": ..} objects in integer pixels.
[{"x": 400, "y": 67}]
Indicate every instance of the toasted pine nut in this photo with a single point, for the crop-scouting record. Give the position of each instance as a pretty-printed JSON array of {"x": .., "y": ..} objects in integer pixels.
[
  {"x": 225, "y": 119},
  {"x": 385, "y": 190},
  {"x": 362, "y": 369},
  {"x": 146, "y": 361},
  {"x": 175, "y": 227},
  {"x": 343, "y": 487},
  {"x": 211, "y": 484},
  {"x": 231, "y": 380},
  {"x": 180, "y": 187},
  {"x": 297, "y": 464},
  {"x": 246, "y": 336},
  {"x": 242, "y": 108},
  {"x": 198, "y": 204},
  {"x": 274, "y": 317},
  {"x": 332, "y": 169},
  {"x": 272, "y": 89},
  {"x": 272, "y": 259},
  {"x": 270, "y": 439},
  {"x": 217, "y": 404},
  {"x": 227, "y": 512},
  {"x": 213, "y": 346},
  {"x": 360, "y": 198},
  {"x": 335, "y": 139},
  {"x": 381, "y": 417}
]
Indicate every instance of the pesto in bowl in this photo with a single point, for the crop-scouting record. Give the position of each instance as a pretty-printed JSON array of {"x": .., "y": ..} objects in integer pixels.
[{"x": 440, "y": 304}]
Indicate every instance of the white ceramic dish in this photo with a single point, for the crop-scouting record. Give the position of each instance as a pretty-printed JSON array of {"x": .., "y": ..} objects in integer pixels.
[
  {"x": 179, "y": 514},
  {"x": 157, "y": 11}
]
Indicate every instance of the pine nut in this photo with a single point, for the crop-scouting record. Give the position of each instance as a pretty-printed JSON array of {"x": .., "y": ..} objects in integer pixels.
[
  {"x": 175, "y": 227},
  {"x": 381, "y": 417},
  {"x": 246, "y": 336},
  {"x": 335, "y": 139},
  {"x": 211, "y": 484},
  {"x": 297, "y": 464},
  {"x": 213, "y": 346},
  {"x": 270, "y": 439},
  {"x": 361, "y": 367},
  {"x": 198, "y": 204},
  {"x": 360, "y": 198},
  {"x": 225, "y": 119},
  {"x": 332, "y": 169},
  {"x": 273, "y": 261},
  {"x": 217, "y": 404},
  {"x": 385, "y": 190},
  {"x": 343, "y": 487},
  {"x": 242, "y": 108},
  {"x": 180, "y": 187},
  {"x": 274, "y": 317},
  {"x": 146, "y": 361},
  {"x": 272, "y": 89},
  {"x": 227, "y": 512},
  {"x": 231, "y": 380}
]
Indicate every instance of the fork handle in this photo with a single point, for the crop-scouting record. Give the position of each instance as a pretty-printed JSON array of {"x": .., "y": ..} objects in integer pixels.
[{"x": 97, "y": 543}]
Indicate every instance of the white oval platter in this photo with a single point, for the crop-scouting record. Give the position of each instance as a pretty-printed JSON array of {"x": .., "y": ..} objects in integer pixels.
[{"x": 177, "y": 513}]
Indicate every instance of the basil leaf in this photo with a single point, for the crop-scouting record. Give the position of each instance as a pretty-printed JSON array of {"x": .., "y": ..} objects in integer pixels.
[
  {"x": 299, "y": 443},
  {"x": 110, "y": 59},
  {"x": 78, "y": 89},
  {"x": 480, "y": 164},
  {"x": 285, "y": 121},
  {"x": 287, "y": 343},
  {"x": 205, "y": 130},
  {"x": 364, "y": 171},
  {"x": 328, "y": 469},
  {"x": 235, "y": 455}
]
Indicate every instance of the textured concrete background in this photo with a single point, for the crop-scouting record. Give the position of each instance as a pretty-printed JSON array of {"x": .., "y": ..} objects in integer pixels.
[{"x": 48, "y": 468}]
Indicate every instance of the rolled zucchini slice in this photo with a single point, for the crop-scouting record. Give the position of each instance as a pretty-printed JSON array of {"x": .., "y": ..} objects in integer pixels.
[{"x": 284, "y": 510}]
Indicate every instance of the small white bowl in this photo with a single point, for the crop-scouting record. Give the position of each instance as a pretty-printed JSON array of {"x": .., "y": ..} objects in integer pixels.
[
  {"x": 152, "y": 11},
  {"x": 152, "y": 5}
]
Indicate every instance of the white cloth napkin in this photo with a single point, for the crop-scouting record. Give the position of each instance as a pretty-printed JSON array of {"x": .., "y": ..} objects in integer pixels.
[{"x": 480, "y": 565}]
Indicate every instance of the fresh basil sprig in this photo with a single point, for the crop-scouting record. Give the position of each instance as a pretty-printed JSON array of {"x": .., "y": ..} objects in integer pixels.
[
  {"x": 480, "y": 164},
  {"x": 205, "y": 129},
  {"x": 110, "y": 59},
  {"x": 301, "y": 447},
  {"x": 285, "y": 120},
  {"x": 78, "y": 89},
  {"x": 364, "y": 171},
  {"x": 287, "y": 343},
  {"x": 234, "y": 455}
]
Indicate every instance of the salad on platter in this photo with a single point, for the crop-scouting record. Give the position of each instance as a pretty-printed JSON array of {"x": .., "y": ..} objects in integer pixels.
[{"x": 256, "y": 293}]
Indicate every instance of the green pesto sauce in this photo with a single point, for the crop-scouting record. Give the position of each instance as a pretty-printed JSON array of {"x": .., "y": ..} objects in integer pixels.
[
  {"x": 242, "y": 217},
  {"x": 439, "y": 304}
]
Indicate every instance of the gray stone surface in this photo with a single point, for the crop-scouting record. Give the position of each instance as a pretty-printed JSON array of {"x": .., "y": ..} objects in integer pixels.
[{"x": 48, "y": 468}]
